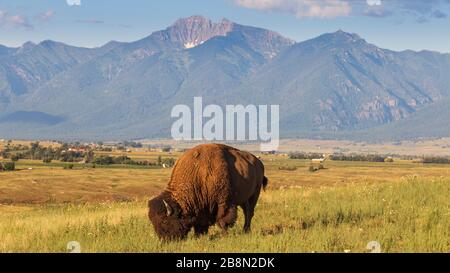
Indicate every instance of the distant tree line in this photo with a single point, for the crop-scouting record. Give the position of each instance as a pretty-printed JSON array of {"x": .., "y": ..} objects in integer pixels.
[
  {"x": 436, "y": 160},
  {"x": 164, "y": 148},
  {"x": 47, "y": 154},
  {"x": 104, "y": 149},
  {"x": 372, "y": 157},
  {"x": 339, "y": 157},
  {"x": 303, "y": 155},
  {"x": 132, "y": 144},
  {"x": 122, "y": 146},
  {"x": 358, "y": 157},
  {"x": 125, "y": 160},
  {"x": 119, "y": 160},
  {"x": 72, "y": 154}
]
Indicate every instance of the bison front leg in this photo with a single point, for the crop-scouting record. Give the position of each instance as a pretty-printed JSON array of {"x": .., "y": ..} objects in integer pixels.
[
  {"x": 226, "y": 217},
  {"x": 201, "y": 229}
]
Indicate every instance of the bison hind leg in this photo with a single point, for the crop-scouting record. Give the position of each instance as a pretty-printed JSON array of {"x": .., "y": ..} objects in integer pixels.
[
  {"x": 249, "y": 211},
  {"x": 248, "y": 216}
]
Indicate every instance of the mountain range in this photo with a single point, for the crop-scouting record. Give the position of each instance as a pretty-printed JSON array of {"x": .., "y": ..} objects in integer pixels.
[{"x": 334, "y": 86}]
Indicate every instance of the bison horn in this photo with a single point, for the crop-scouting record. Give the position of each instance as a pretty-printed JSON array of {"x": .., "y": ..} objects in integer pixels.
[{"x": 168, "y": 208}]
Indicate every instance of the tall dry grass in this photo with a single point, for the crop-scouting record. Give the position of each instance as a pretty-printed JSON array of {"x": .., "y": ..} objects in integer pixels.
[{"x": 410, "y": 215}]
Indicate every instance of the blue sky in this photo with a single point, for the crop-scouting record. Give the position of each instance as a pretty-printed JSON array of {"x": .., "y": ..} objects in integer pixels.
[{"x": 393, "y": 24}]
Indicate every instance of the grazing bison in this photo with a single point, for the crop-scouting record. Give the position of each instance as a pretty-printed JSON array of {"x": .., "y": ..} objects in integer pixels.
[{"x": 207, "y": 184}]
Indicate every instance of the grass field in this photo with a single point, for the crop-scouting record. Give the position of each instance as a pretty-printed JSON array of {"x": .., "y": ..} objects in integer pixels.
[
  {"x": 406, "y": 216},
  {"x": 402, "y": 205}
]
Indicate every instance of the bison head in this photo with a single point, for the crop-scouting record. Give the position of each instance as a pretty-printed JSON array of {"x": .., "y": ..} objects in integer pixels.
[{"x": 167, "y": 218}]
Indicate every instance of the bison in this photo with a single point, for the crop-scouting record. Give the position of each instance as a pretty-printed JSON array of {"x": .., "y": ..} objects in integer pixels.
[{"x": 208, "y": 182}]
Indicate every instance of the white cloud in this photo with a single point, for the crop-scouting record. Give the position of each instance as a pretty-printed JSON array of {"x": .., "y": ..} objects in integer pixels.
[
  {"x": 10, "y": 20},
  {"x": 46, "y": 16},
  {"x": 374, "y": 2},
  {"x": 338, "y": 8},
  {"x": 302, "y": 8},
  {"x": 73, "y": 2}
]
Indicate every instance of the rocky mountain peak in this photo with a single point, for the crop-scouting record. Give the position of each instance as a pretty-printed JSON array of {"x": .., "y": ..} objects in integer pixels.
[
  {"x": 26, "y": 47},
  {"x": 195, "y": 30},
  {"x": 340, "y": 37}
]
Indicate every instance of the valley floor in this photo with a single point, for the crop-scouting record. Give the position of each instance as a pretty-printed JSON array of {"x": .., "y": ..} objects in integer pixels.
[
  {"x": 404, "y": 216},
  {"x": 402, "y": 205}
]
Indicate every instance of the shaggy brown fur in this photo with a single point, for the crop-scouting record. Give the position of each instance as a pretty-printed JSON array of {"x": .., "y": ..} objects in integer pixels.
[{"x": 208, "y": 183}]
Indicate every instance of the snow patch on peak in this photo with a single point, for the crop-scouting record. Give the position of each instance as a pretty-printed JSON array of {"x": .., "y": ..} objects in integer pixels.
[
  {"x": 193, "y": 44},
  {"x": 193, "y": 31}
]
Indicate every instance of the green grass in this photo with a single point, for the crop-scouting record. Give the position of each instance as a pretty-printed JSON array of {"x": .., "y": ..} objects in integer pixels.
[{"x": 410, "y": 215}]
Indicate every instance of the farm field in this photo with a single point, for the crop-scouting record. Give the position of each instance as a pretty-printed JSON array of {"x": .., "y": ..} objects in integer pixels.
[
  {"x": 402, "y": 205},
  {"x": 436, "y": 147}
]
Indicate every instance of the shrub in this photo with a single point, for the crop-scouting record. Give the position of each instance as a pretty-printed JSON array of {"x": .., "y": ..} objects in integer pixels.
[
  {"x": 169, "y": 162},
  {"x": 287, "y": 168},
  {"x": 4, "y": 154},
  {"x": 68, "y": 167},
  {"x": 159, "y": 161},
  {"x": 71, "y": 157},
  {"x": 143, "y": 163},
  {"x": 47, "y": 160},
  {"x": 103, "y": 160},
  {"x": 9, "y": 166},
  {"x": 388, "y": 160},
  {"x": 313, "y": 168},
  {"x": 123, "y": 160}
]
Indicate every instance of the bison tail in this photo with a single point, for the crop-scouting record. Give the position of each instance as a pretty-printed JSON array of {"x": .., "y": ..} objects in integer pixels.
[{"x": 265, "y": 182}]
